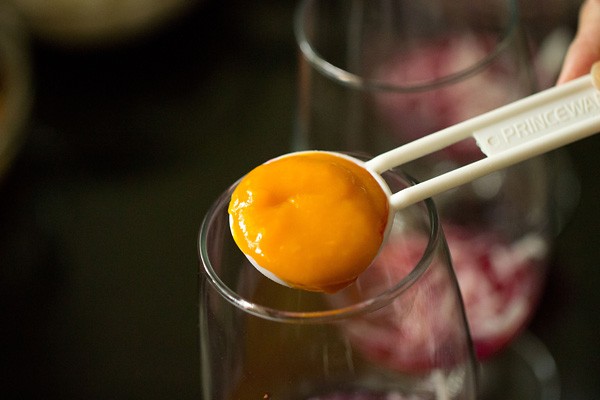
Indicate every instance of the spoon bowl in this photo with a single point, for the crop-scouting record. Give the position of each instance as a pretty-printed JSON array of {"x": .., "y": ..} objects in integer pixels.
[{"x": 377, "y": 178}]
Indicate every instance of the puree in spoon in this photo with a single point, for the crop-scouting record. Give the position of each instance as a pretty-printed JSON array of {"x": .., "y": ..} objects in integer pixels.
[{"x": 310, "y": 220}]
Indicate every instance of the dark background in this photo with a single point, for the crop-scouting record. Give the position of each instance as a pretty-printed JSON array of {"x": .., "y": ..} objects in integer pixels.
[{"x": 126, "y": 147}]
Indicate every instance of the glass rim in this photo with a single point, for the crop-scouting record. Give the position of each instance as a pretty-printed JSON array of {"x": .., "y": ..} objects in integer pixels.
[
  {"x": 374, "y": 303},
  {"x": 350, "y": 79}
]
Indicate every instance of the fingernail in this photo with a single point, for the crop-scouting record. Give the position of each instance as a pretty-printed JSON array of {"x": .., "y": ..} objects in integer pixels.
[{"x": 595, "y": 72}]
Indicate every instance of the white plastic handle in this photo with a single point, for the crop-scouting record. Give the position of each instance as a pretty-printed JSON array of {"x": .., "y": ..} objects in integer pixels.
[{"x": 508, "y": 135}]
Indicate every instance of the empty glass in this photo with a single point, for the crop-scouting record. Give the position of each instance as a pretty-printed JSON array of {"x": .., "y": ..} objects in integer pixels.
[{"x": 398, "y": 331}]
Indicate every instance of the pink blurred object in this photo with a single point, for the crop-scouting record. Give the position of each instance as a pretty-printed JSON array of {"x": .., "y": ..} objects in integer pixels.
[
  {"x": 500, "y": 283},
  {"x": 402, "y": 336},
  {"x": 414, "y": 113}
]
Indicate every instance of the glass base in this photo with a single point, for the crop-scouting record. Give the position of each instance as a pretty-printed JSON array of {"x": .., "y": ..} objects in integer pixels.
[{"x": 525, "y": 370}]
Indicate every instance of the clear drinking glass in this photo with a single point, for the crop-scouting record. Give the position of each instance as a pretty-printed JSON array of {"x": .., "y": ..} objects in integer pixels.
[
  {"x": 399, "y": 331},
  {"x": 376, "y": 74}
]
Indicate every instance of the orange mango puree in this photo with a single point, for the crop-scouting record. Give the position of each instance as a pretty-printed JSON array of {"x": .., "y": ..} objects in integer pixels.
[{"x": 315, "y": 220}]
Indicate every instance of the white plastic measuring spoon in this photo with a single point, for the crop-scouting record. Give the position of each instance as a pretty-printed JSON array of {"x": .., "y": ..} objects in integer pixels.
[{"x": 508, "y": 135}]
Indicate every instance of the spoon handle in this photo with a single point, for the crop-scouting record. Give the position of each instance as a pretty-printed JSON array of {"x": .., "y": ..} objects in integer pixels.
[{"x": 507, "y": 135}]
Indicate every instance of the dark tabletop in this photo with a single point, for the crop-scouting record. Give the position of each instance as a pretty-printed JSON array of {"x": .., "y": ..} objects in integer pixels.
[{"x": 127, "y": 146}]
